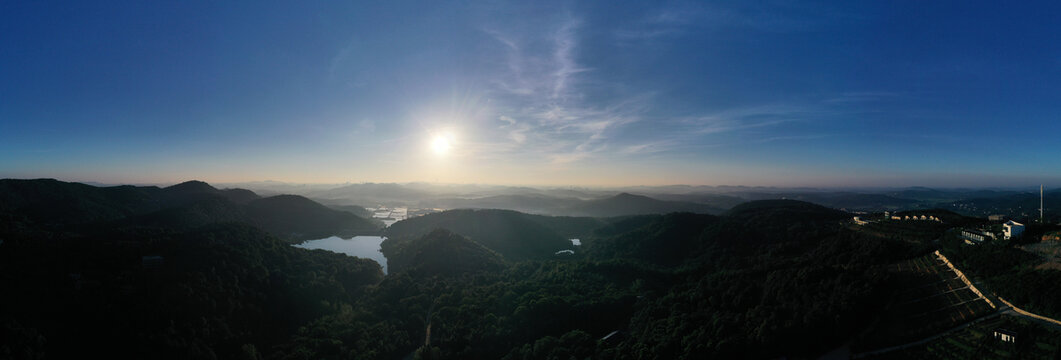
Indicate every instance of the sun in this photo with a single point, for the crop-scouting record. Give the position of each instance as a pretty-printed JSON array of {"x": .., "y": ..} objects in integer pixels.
[{"x": 441, "y": 144}]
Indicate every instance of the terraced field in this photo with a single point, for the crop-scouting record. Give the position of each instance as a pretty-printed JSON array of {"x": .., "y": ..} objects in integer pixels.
[
  {"x": 932, "y": 300},
  {"x": 978, "y": 342}
]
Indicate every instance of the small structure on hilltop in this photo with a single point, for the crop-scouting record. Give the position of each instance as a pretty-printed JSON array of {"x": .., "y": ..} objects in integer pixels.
[
  {"x": 914, "y": 217},
  {"x": 1005, "y": 335},
  {"x": 1012, "y": 229},
  {"x": 997, "y": 217},
  {"x": 976, "y": 236}
]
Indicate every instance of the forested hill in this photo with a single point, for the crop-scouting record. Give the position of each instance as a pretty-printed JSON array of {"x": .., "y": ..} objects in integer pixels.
[
  {"x": 227, "y": 291},
  {"x": 514, "y": 235},
  {"x": 792, "y": 210},
  {"x": 51, "y": 203},
  {"x": 293, "y": 216},
  {"x": 678, "y": 238},
  {"x": 443, "y": 253}
]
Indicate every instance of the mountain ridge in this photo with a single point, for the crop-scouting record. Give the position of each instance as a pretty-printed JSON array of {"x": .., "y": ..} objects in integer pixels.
[{"x": 186, "y": 205}]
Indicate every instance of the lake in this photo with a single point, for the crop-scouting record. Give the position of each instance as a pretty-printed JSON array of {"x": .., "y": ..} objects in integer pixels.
[{"x": 366, "y": 247}]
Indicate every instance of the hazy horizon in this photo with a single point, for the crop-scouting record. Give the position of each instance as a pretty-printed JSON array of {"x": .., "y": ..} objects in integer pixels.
[
  {"x": 824, "y": 95},
  {"x": 327, "y": 185}
]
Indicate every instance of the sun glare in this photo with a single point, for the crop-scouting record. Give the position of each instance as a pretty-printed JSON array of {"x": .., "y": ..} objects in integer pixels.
[{"x": 441, "y": 144}]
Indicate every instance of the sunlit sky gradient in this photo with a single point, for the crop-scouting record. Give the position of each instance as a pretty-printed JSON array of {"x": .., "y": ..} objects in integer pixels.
[{"x": 849, "y": 93}]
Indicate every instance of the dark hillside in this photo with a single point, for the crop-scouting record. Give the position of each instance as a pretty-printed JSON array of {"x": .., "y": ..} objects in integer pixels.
[
  {"x": 208, "y": 210},
  {"x": 49, "y": 201},
  {"x": 619, "y": 225},
  {"x": 512, "y": 234},
  {"x": 789, "y": 210},
  {"x": 296, "y": 217},
  {"x": 674, "y": 239},
  {"x": 239, "y": 196},
  {"x": 664, "y": 240},
  {"x": 190, "y": 187},
  {"x": 567, "y": 226},
  {"x": 194, "y": 190},
  {"x": 222, "y": 291},
  {"x": 354, "y": 209},
  {"x": 443, "y": 253}
]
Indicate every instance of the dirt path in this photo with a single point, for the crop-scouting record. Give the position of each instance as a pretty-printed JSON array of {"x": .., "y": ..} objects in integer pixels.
[{"x": 1049, "y": 321}]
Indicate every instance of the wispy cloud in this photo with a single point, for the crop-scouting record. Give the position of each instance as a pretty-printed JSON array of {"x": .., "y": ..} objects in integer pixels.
[
  {"x": 751, "y": 117},
  {"x": 564, "y": 57},
  {"x": 548, "y": 103},
  {"x": 683, "y": 17},
  {"x": 754, "y": 124},
  {"x": 650, "y": 147},
  {"x": 542, "y": 106},
  {"x": 793, "y": 138},
  {"x": 668, "y": 21},
  {"x": 339, "y": 60}
]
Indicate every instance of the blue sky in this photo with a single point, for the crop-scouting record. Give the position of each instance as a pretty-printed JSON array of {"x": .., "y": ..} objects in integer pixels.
[{"x": 780, "y": 93}]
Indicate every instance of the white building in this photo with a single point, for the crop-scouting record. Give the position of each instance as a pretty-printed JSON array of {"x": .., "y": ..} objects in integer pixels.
[
  {"x": 1005, "y": 335},
  {"x": 1012, "y": 229},
  {"x": 972, "y": 236}
]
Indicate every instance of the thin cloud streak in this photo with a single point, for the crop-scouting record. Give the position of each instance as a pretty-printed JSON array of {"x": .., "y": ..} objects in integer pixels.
[{"x": 543, "y": 113}]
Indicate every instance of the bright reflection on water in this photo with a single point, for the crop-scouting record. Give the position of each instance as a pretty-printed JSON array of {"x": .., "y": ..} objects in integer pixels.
[{"x": 360, "y": 246}]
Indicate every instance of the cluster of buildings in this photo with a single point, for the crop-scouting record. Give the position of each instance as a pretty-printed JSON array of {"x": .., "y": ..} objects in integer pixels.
[
  {"x": 1010, "y": 230},
  {"x": 976, "y": 236},
  {"x": 888, "y": 216}
]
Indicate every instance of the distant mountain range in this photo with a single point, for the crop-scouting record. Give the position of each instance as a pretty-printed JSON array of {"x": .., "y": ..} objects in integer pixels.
[
  {"x": 634, "y": 200},
  {"x": 321, "y": 211},
  {"x": 618, "y": 205},
  {"x": 191, "y": 204}
]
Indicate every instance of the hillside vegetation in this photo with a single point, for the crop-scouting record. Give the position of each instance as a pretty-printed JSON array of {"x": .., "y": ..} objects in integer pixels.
[
  {"x": 55, "y": 204},
  {"x": 514, "y": 235}
]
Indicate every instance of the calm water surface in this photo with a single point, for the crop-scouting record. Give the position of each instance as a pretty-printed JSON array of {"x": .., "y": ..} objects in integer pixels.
[{"x": 360, "y": 246}]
